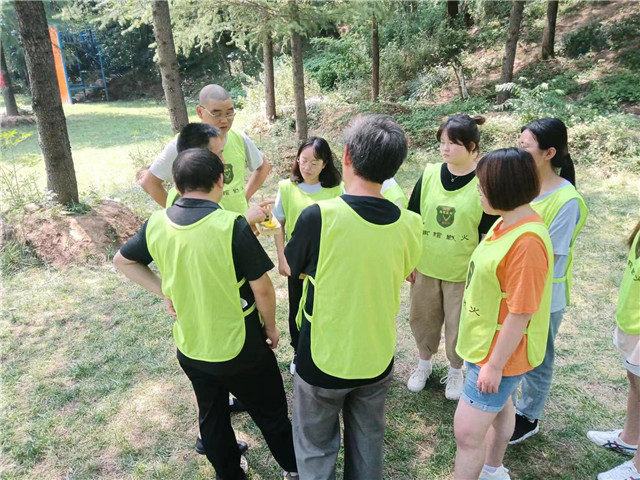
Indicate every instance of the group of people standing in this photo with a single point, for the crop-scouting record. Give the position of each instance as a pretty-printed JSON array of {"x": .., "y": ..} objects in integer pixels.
[{"x": 487, "y": 244}]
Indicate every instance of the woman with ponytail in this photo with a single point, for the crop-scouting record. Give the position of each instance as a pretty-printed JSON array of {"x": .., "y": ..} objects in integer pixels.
[
  {"x": 452, "y": 225},
  {"x": 564, "y": 212}
]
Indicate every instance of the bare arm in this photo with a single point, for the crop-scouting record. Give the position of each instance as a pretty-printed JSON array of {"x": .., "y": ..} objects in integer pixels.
[
  {"x": 143, "y": 276},
  {"x": 510, "y": 336},
  {"x": 283, "y": 265},
  {"x": 154, "y": 187},
  {"x": 256, "y": 179},
  {"x": 265, "y": 296}
]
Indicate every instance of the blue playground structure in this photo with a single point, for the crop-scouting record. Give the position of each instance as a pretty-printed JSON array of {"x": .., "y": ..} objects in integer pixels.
[{"x": 82, "y": 61}]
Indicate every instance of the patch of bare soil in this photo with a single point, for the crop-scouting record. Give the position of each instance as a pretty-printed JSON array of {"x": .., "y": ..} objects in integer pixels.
[
  {"x": 10, "y": 121},
  {"x": 88, "y": 238}
]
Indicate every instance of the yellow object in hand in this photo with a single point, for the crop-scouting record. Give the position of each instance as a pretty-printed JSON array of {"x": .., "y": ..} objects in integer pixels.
[{"x": 269, "y": 224}]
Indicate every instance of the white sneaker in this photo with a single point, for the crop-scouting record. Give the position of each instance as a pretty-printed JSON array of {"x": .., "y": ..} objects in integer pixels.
[
  {"x": 454, "y": 382},
  {"x": 292, "y": 366},
  {"x": 244, "y": 465},
  {"x": 611, "y": 440},
  {"x": 626, "y": 471},
  {"x": 500, "y": 474},
  {"x": 418, "y": 378}
]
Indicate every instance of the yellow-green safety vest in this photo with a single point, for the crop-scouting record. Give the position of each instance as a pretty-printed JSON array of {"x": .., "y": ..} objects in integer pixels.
[
  {"x": 233, "y": 196},
  {"x": 294, "y": 201},
  {"x": 198, "y": 275},
  {"x": 361, "y": 268},
  {"x": 628, "y": 312},
  {"x": 450, "y": 223},
  {"x": 548, "y": 208},
  {"x": 395, "y": 194},
  {"x": 172, "y": 196},
  {"x": 482, "y": 297}
]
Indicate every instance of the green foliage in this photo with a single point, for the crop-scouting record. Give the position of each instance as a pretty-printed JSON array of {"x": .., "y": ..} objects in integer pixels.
[
  {"x": 540, "y": 101},
  {"x": 429, "y": 81},
  {"x": 255, "y": 96},
  {"x": 338, "y": 60},
  {"x": 623, "y": 30},
  {"x": 15, "y": 258},
  {"x": 422, "y": 121},
  {"x": 612, "y": 90},
  {"x": 17, "y": 190},
  {"x": 592, "y": 37},
  {"x": 610, "y": 142}
]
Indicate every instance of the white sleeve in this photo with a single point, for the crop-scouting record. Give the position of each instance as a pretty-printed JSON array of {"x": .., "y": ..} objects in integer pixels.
[
  {"x": 278, "y": 208},
  {"x": 253, "y": 156},
  {"x": 387, "y": 184},
  {"x": 161, "y": 166}
]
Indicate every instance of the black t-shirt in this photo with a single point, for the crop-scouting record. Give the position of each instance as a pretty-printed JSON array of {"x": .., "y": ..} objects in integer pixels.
[
  {"x": 451, "y": 183},
  {"x": 302, "y": 253},
  {"x": 250, "y": 262}
]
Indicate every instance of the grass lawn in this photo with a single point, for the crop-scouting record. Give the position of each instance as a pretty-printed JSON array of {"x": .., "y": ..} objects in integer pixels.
[{"x": 91, "y": 388}]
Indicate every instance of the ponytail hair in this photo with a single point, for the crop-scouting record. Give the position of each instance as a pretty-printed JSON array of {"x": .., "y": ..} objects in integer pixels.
[
  {"x": 552, "y": 132},
  {"x": 463, "y": 129}
]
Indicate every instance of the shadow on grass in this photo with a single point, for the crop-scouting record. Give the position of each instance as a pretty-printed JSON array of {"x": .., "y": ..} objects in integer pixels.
[{"x": 116, "y": 130}]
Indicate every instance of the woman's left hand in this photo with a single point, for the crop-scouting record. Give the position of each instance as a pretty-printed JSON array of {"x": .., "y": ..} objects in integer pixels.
[{"x": 489, "y": 379}]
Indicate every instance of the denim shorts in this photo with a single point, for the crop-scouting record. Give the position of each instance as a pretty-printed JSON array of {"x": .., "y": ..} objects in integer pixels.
[
  {"x": 488, "y": 402},
  {"x": 634, "y": 369}
]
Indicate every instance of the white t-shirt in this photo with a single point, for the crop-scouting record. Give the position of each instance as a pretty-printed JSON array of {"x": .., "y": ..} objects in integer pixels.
[
  {"x": 278, "y": 208},
  {"x": 161, "y": 166},
  {"x": 387, "y": 184},
  {"x": 561, "y": 233}
]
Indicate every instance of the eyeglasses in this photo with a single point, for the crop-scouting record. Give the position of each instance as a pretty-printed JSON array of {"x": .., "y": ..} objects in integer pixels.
[
  {"x": 312, "y": 163},
  {"x": 220, "y": 115}
]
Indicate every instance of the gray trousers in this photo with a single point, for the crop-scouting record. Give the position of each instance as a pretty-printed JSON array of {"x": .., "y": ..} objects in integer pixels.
[{"x": 316, "y": 429}]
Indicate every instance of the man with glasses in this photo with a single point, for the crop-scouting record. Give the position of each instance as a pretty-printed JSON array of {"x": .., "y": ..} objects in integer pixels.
[{"x": 216, "y": 108}]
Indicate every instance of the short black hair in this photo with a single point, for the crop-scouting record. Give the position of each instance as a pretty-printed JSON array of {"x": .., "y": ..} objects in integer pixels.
[
  {"x": 463, "y": 130},
  {"x": 330, "y": 176},
  {"x": 196, "y": 135},
  {"x": 196, "y": 170},
  {"x": 376, "y": 145},
  {"x": 508, "y": 178}
]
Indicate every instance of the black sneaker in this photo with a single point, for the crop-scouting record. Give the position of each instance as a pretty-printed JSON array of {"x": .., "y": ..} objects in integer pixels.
[
  {"x": 235, "y": 405},
  {"x": 242, "y": 446},
  {"x": 524, "y": 429},
  {"x": 200, "y": 446}
]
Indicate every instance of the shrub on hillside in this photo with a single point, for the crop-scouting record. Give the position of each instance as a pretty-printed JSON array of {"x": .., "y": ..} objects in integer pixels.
[
  {"x": 612, "y": 90},
  {"x": 338, "y": 60},
  {"x": 592, "y": 37},
  {"x": 612, "y": 142}
]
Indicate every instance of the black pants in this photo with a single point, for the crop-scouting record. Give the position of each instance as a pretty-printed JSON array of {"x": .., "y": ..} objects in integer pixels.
[
  {"x": 295, "y": 294},
  {"x": 261, "y": 390}
]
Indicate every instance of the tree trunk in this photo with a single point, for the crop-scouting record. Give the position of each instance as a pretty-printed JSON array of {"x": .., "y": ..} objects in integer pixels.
[
  {"x": 466, "y": 11},
  {"x": 7, "y": 90},
  {"x": 375, "y": 59},
  {"x": 52, "y": 125},
  {"x": 269, "y": 81},
  {"x": 298, "y": 76},
  {"x": 168, "y": 63},
  {"x": 452, "y": 10},
  {"x": 462, "y": 83},
  {"x": 549, "y": 36},
  {"x": 513, "y": 31}
]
